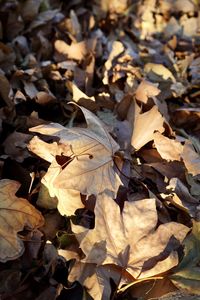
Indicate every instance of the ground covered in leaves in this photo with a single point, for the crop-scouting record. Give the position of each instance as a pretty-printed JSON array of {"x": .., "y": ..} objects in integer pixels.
[{"x": 100, "y": 150}]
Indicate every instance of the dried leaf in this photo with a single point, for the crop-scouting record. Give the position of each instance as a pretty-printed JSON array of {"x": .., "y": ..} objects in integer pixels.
[
  {"x": 168, "y": 149},
  {"x": 191, "y": 159},
  {"x": 147, "y": 252},
  {"x": 186, "y": 276},
  {"x": 15, "y": 145},
  {"x": 182, "y": 198},
  {"x": 144, "y": 126},
  {"x": 88, "y": 153},
  {"x": 5, "y": 89},
  {"x": 159, "y": 70},
  {"x": 146, "y": 90},
  {"x": 117, "y": 49},
  {"x": 76, "y": 51},
  {"x": 15, "y": 214}
]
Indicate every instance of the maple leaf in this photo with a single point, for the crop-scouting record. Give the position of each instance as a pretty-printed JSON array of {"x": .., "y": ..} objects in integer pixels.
[
  {"x": 89, "y": 156},
  {"x": 131, "y": 240},
  {"x": 15, "y": 214}
]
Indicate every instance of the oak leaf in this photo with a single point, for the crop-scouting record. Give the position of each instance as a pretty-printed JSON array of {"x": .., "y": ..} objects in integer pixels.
[{"x": 15, "y": 214}]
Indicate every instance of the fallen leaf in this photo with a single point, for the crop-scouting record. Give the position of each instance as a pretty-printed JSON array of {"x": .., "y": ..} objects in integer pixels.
[
  {"x": 147, "y": 252},
  {"x": 191, "y": 158},
  {"x": 5, "y": 90},
  {"x": 145, "y": 125},
  {"x": 146, "y": 90},
  {"x": 186, "y": 275},
  {"x": 159, "y": 70},
  {"x": 15, "y": 145},
  {"x": 45, "y": 200},
  {"x": 89, "y": 152},
  {"x": 15, "y": 214},
  {"x": 168, "y": 149},
  {"x": 117, "y": 49},
  {"x": 76, "y": 51},
  {"x": 182, "y": 198}
]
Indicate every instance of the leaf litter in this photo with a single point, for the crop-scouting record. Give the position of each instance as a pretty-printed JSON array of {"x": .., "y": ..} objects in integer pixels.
[{"x": 99, "y": 163}]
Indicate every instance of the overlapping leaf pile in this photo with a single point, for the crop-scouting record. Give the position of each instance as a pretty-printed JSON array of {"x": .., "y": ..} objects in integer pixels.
[{"x": 100, "y": 132}]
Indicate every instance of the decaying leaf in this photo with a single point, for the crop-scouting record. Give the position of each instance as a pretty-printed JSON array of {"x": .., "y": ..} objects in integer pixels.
[
  {"x": 131, "y": 240},
  {"x": 144, "y": 127},
  {"x": 187, "y": 275},
  {"x": 168, "y": 149},
  {"x": 15, "y": 215}
]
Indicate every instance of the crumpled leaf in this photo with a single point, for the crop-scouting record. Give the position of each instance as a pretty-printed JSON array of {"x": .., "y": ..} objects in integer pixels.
[
  {"x": 191, "y": 159},
  {"x": 88, "y": 154},
  {"x": 187, "y": 274},
  {"x": 145, "y": 90},
  {"x": 15, "y": 214},
  {"x": 131, "y": 239},
  {"x": 168, "y": 149},
  {"x": 144, "y": 126}
]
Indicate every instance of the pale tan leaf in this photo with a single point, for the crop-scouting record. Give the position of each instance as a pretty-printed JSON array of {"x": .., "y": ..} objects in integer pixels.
[
  {"x": 95, "y": 278},
  {"x": 159, "y": 70},
  {"x": 191, "y": 159},
  {"x": 78, "y": 94},
  {"x": 117, "y": 49},
  {"x": 88, "y": 153},
  {"x": 15, "y": 215},
  {"x": 75, "y": 51},
  {"x": 147, "y": 252},
  {"x": 144, "y": 127},
  {"x": 168, "y": 149},
  {"x": 145, "y": 90}
]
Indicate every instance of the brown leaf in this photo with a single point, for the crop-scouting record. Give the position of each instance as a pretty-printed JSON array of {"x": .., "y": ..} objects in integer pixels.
[
  {"x": 15, "y": 214},
  {"x": 191, "y": 159}
]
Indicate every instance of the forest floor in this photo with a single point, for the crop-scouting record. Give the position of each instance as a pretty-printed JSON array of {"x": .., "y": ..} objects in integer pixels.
[{"x": 100, "y": 149}]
